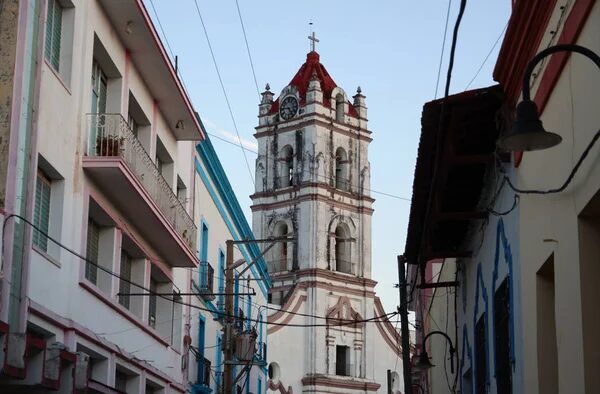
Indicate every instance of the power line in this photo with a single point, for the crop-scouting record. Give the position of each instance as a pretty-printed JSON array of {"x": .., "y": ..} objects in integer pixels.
[
  {"x": 487, "y": 56},
  {"x": 338, "y": 322},
  {"x": 437, "y": 83},
  {"x": 325, "y": 177},
  {"x": 212, "y": 54},
  {"x": 248, "y": 48}
]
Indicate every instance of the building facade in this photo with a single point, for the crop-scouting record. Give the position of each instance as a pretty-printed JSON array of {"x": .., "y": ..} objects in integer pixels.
[
  {"x": 312, "y": 188},
  {"x": 220, "y": 218},
  {"x": 522, "y": 235},
  {"x": 107, "y": 271}
]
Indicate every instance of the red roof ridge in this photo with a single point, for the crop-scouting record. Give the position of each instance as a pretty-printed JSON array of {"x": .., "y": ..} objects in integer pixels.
[{"x": 300, "y": 81}]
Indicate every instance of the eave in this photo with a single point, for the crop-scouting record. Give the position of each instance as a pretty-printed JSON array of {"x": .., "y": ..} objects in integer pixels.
[
  {"x": 443, "y": 208},
  {"x": 151, "y": 60}
]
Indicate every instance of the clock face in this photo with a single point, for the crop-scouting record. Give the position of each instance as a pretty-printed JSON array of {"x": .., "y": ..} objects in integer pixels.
[{"x": 289, "y": 107}]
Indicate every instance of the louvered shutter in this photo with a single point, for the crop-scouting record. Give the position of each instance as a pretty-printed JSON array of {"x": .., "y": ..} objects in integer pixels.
[
  {"x": 93, "y": 238},
  {"x": 125, "y": 274},
  {"x": 41, "y": 213},
  {"x": 53, "y": 33}
]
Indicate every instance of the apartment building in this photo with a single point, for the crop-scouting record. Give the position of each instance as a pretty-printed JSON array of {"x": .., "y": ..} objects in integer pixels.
[{"x": 105, "y": 276}]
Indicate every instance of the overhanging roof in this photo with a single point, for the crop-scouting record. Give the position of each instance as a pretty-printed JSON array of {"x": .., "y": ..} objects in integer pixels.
[
  {"x": 467, "y": 142},
  {"x": 151, "y": 60}
]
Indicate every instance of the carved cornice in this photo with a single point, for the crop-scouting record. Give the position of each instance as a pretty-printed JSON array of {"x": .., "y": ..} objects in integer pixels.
[
  {"x": 319, "y": 185},
  {"x": 348, "y": 384},
  {"x": 312, "y": 197}
]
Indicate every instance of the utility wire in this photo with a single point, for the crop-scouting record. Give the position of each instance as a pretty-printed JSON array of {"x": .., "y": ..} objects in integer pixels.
[
  {"x": 338, "y": 322},
  {"x": 248, "y": 48},
  {"x": 437, "y": 83},
  {"x": 487, "y": 56},
  {"x": 212, "y": 54}
]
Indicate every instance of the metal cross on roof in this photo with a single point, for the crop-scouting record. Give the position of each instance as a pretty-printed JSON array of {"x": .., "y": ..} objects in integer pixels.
[{"x": 313, "y": 40}]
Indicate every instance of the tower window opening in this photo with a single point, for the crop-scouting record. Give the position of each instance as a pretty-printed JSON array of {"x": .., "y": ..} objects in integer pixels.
[
  {"x": 339, "y": 107},
  {"x": 287, "y": 167},
  {"x": 342, "y": 360},
  {"x": 342, "y": 250},
  {"x": 341, "y": 169},
  {"x": 279, "y": 261}
]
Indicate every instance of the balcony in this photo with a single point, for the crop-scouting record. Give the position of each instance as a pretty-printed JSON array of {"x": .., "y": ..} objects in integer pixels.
[
  {"x": 120, "y": 166},
  {"x": 205, "y": 285}
]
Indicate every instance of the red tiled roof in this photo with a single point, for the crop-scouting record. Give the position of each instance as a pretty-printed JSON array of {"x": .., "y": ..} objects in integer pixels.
[{"x": 302, "y": 78}]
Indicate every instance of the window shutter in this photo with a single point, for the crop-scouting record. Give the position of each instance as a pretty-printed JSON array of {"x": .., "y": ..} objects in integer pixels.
[
  {"x": 56, "y": 35},
  {"x": 93, "y": 238},
  {"x": 41, "y": 213},
  {"x": 53, "y": 33},
  {"x": 49, "y": 29},
  {"x": 124, "y": 285}
]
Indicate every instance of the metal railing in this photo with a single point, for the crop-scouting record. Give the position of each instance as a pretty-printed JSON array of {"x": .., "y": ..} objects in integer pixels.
[
  {"x": 205, "y": 285},
  {"x": 110, "y": 135}
]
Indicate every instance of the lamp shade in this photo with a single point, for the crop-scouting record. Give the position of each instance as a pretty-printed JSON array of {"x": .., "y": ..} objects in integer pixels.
[
  {"x": 527, "y": 132},
  {"x": 423, "y": 364}
]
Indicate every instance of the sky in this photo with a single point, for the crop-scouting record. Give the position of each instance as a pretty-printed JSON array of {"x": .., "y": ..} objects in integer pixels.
[{"x": 391, "y": 49}]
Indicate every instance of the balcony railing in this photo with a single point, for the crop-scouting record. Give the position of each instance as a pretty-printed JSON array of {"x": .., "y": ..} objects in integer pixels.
[
  {"x": 205, "y": 284},
  {"x": 111, "y": 136},
  {"x": 206, "y": 372}
]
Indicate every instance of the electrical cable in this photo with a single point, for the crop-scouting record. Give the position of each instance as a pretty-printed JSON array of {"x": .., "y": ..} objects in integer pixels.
[
  {"x": 338, "y": 322},
  {"x": 487, "y": 56},
  {"x": 437, "y": 83},
  {"x": 569, "y": 178},
  {"x": 212, "y": 54},
  {"x": 248, "y": 48}
]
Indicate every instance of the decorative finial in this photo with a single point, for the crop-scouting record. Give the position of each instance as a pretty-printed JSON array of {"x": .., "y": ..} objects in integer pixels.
[
  {"x": 358, "y": 90},
  {"x": 267, "y": 87}
]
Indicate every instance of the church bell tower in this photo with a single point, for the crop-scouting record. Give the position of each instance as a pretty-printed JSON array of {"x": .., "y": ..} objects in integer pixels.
[{"x": 313, "y": 186}]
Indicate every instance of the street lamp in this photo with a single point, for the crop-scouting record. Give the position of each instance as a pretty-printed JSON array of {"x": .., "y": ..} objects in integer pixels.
[
  {"x": 424, "y": 364},
  {"x": 527, "y": 132}
]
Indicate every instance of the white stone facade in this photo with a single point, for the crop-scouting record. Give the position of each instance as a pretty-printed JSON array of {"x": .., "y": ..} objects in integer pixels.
[{"x": 312, "y": 185}]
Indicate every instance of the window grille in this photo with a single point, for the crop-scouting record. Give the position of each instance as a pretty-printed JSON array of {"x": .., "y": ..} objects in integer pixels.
[
  {"x": 93, "y": 238},
  {"x": 125, "y": 275},
  {"x": 41, "y": 213}
]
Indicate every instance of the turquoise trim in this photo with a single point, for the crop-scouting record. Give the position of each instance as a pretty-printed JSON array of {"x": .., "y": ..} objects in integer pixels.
[
  {"x": 249, "y": 250},
  {"x": 210, "y": 159}
]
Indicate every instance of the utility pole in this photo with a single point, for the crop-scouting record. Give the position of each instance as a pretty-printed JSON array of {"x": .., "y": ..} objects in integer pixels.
[
  {"x": 404, "y": 326},
  {"x": 229, "y": 320}
]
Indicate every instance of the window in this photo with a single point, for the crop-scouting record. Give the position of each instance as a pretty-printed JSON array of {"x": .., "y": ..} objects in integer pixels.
[
  {"x": 339, "y": 107},
  {"x": 99, "y": 89},
  {"x": 502, "y": 333},
  {"x": 200, "y": 378},
  {"x": 133, "y": 126},
  {"x": 480, "y": 356},
  {"x": 164, "y": 162},
  {"x": 221, "y": 278},
  {"x": 467, "y": 382},
  {"x": 41, "y": 213},
  {"x": 342, "y": 360},
  {"x": 342, "y": 240},
  {"x": 547, "y": 348},
  {"x": 152, "y": 304},
  {"x": 53, "y": 33},
  {"x": 181, "y": 191},
  {"x": 58, "y": 48},
  {"x": 279, "y": 260},
  {"x": 92, "y": 252},
  {"x": 286, "y": 167},
  {"x": 341, "y": 169},
  {"x": 125, "y": 279}
]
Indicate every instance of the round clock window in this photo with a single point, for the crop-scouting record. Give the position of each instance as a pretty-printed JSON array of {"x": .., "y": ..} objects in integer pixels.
[{"x": 288, "y": 108}]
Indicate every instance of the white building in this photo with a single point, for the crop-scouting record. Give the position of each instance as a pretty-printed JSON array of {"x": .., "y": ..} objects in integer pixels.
[
  {"x": 98, "y": 151},
  {"x": 312, "y": 185}
]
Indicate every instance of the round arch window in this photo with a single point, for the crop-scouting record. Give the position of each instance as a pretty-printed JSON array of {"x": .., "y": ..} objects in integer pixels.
[{"x": 274, "y": 372}]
